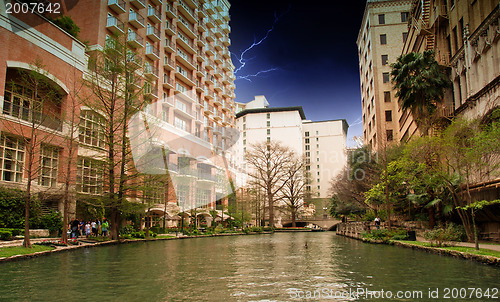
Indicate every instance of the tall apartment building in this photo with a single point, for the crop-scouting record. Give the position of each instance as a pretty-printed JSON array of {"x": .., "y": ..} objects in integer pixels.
[
  {"x": 464, "y": 36},
  {"x": 380, "y": 41},
  {"x": 183, "y": 45},
  {"x": 322, "y": 143}
]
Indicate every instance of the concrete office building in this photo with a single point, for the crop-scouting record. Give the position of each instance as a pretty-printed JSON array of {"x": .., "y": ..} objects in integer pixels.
[{"x": 380, "y": 41}]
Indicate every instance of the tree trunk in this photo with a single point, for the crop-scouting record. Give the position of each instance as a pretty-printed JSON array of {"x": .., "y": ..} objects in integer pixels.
[
  {"x": 432, "y": 218},
  {"x": 476, "y": 240},
  {"x": 271, "y": 210},
  {"x": 294, "y": 224}
]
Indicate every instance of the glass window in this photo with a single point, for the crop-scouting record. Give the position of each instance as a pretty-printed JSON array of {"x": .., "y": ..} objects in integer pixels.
[
  {"x": 268, "y": 115},
  {"x": 307, "y": 141},
  {"x": 307, "y": 133},
  {"x": 268, "y": 124},
  {"x": 385, "y": 59},
  {"x": 388, "y": 115},
  {"x": 404, "y": 17},
  {"x": 383, "y": 39},
  {"x": 385, "y": 77},
  {"x": 268, "y": 131},
  {"x": 91, "y": 129},
  {"x": 49, "y": 157},
  {"x": 12, "y": 157},
  {"x": 381, "y": 19},
  {"x": 387, "y": 96},
  {"x": 389, "y": 135},
  {"x": 89, "y": 176}
]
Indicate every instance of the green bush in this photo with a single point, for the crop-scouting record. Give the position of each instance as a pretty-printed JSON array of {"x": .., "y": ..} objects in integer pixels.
[
  {"x": 138, "y": 234},
  {"x": 386, "y": 235},
  {"x": 52, "y": 222},
  {"x": 126, "y": 230},
  {"x": 440, "y": 236},
  {"x": 5, "y": 235},
  {"x": 67, "y": 24}
]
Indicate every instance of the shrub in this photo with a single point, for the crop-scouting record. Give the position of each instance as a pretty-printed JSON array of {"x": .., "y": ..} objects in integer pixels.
[
  {"x": 52, "y": 222},
  {"x": 386, "y": 235},
  {"x": 5, "y": 235},
  {"x": 126, "y": 230},
  {"x": 138, "y": 234},
  {"x": 440, "y": 236}
]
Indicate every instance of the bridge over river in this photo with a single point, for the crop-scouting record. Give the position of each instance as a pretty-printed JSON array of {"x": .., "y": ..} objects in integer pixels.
[{"x": 328, "y": 224}]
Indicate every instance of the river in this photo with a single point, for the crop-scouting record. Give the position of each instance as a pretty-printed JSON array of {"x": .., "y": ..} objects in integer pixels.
[{"x": 271, "y": 267}]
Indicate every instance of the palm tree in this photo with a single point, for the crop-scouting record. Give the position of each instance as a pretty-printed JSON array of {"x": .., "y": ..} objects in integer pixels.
[{"x": 420, "y": 85}]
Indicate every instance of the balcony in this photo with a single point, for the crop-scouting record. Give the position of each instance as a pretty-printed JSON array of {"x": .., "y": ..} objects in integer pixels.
[
  {"x": 186, "y": 43},
  {"x": 168, "y": 64},
  {"x": 218, "y": 101},
  {"x": 185, "y": 112},
  {"x": 168, "y": 83},
  {"x": 218, "y": 58},
  {"x": 150, "y": 93},
  {"x": 209, "y": 79},
  {"x": 152, "y": 52},
  {"x": 209, "y": 64},
  {"x": 134, "y": 60},
  {"x": 226, "y": 41},
  {"x": 114, "y": 25},
  {"x": 169, "y": 45},
  {"x": 209, "y": 8},
  {"x": 210, "y": 36},
  {"x": 187, "y": 11},
  {"x": 154, "y": 15},
  {"x": 185, "y": 76},
  {"x": 171, "y": 11},
  {"x": 134, "y": 40},
  {"x": 138, "y": 3},
  {"x": 136, "y": 19},
  {"x": 210, "y": 50},
  {"x": 187, "y": 172},
  {"x": 218, "y": 33},
  {"x": 186, "y": 60},
  {"x": 186, "y": 27},
  {"x": 153, "y": 33},
  {"x": 225, "y": 15},
  {"x": 157, "y": 2},
  {"x": 118, "y": 6},
  {"x": 218, "y": 72},
  {"x": 151, "y": 72},
  {"x": 134, "y": 83},
  {"x": 170, "y": 28},
  {"x": 201, "y": 40},
  {"x": 209, "y": 94},
  {"x": 217, "y": 116},
  {"x": 226, "y": 54},
  {"x": 218, "y": 45}
]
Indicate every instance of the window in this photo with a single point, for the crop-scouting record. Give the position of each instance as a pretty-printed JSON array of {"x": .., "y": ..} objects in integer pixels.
[
  {"x": 318, "y": 174},
  {"x": 88, "y": 176},
  {"x": 317, "y": 132},
  {"x": 308, "y": 154},
  {"x": 307, "y": 133},
  {"x": 317, "y": 146},
  {"x": 404, "y": 17},
  {"x": 268, "y": 131},
  {"x": 385, "y": 59},
  {"x": 12, "y": 158},
  {"x": 388, "y": 115},
  {"x": 268, "y": 124},
  {"x": 317, "y": 139},
  {"x": 308, "y": 168},
  {"x": 385, "y": 77},
  {"x": 405, "y": 36},
  {"x": 244, "y": 134},
  {"x": 383, "y": 39},
  {"x": 19, "y": 102},
  {"x": 49, "y": 157},
  {"x": 181, "y": 124},
  {"x": 91, "y": 129},
  {"x": 389, "y": 135},
  {"x": 381, "y": 19},
  {"x": 268, "y": 115},
  {"x": 268, "y": 139},
  {"x": 244, "y": 142},
  {"x": 308, "y": 147},
  {"x": 387, "y": 96},
  {"x": 244, "y": 126},
  {"x": 307, "y": 141},
  {"x": 244, "y": 119}
]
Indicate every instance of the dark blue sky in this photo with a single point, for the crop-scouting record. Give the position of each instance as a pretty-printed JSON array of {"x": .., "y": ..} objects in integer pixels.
[{"x": 313, "y": 48}]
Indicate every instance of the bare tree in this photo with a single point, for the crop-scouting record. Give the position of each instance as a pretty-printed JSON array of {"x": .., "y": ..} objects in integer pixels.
[
  {"x": 293, "y": 192},
  {"x": 116, "y": 92},
  {"x": 268, "y": 162},
  {"x": 31, "y": 106}
]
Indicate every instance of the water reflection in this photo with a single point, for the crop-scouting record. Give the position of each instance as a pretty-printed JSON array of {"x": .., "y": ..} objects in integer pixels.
[{"x": 277, "y": 267}]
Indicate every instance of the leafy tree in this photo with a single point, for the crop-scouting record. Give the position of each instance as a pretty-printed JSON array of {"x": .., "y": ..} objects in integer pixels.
[
  {"x": 293, "y": 192},
  {"x": 420, "y": 85},
  {"x": 473, "y": 208}
]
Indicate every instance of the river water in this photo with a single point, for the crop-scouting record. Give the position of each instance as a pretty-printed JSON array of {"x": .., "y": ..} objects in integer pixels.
[{"x": 277, "y": 267}]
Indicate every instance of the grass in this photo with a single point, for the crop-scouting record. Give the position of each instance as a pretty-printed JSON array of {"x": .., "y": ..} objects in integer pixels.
[
  {"x": 164, "y": 236},
  {"x": 20, "y": 250},
  {"x": 470, "y": 250}
]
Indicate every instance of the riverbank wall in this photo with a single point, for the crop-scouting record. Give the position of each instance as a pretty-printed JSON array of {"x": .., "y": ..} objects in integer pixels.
[{"x": 86, "y": 244}]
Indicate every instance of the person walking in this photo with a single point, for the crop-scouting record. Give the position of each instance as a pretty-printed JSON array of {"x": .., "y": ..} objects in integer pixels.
[
  {"x": 377, "y": 222},
  {"x": 93, "y": 225},
  {"x": 104, "y": 227},
  {"x": 87, "y": 229}
]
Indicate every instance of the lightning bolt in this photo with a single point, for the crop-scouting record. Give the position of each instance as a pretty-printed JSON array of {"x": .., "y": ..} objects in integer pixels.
[{"x": 243, "y": 61}]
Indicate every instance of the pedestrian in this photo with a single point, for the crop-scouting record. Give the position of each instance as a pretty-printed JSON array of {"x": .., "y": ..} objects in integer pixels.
[
  {"x": 377, "y": 222},
  {"x": 87, "y": 229},
  {"x": 104, "y": 227},
  {"x": 93, "y": 225},
  {"x": 74, "y": 228}
]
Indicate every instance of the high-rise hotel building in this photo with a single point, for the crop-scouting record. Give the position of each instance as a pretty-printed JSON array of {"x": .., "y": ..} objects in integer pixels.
[{"x": 380, "y": 41}]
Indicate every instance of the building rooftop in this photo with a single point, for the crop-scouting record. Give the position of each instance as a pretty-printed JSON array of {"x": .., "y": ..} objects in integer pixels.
[{"x": 276, "y": 109}]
